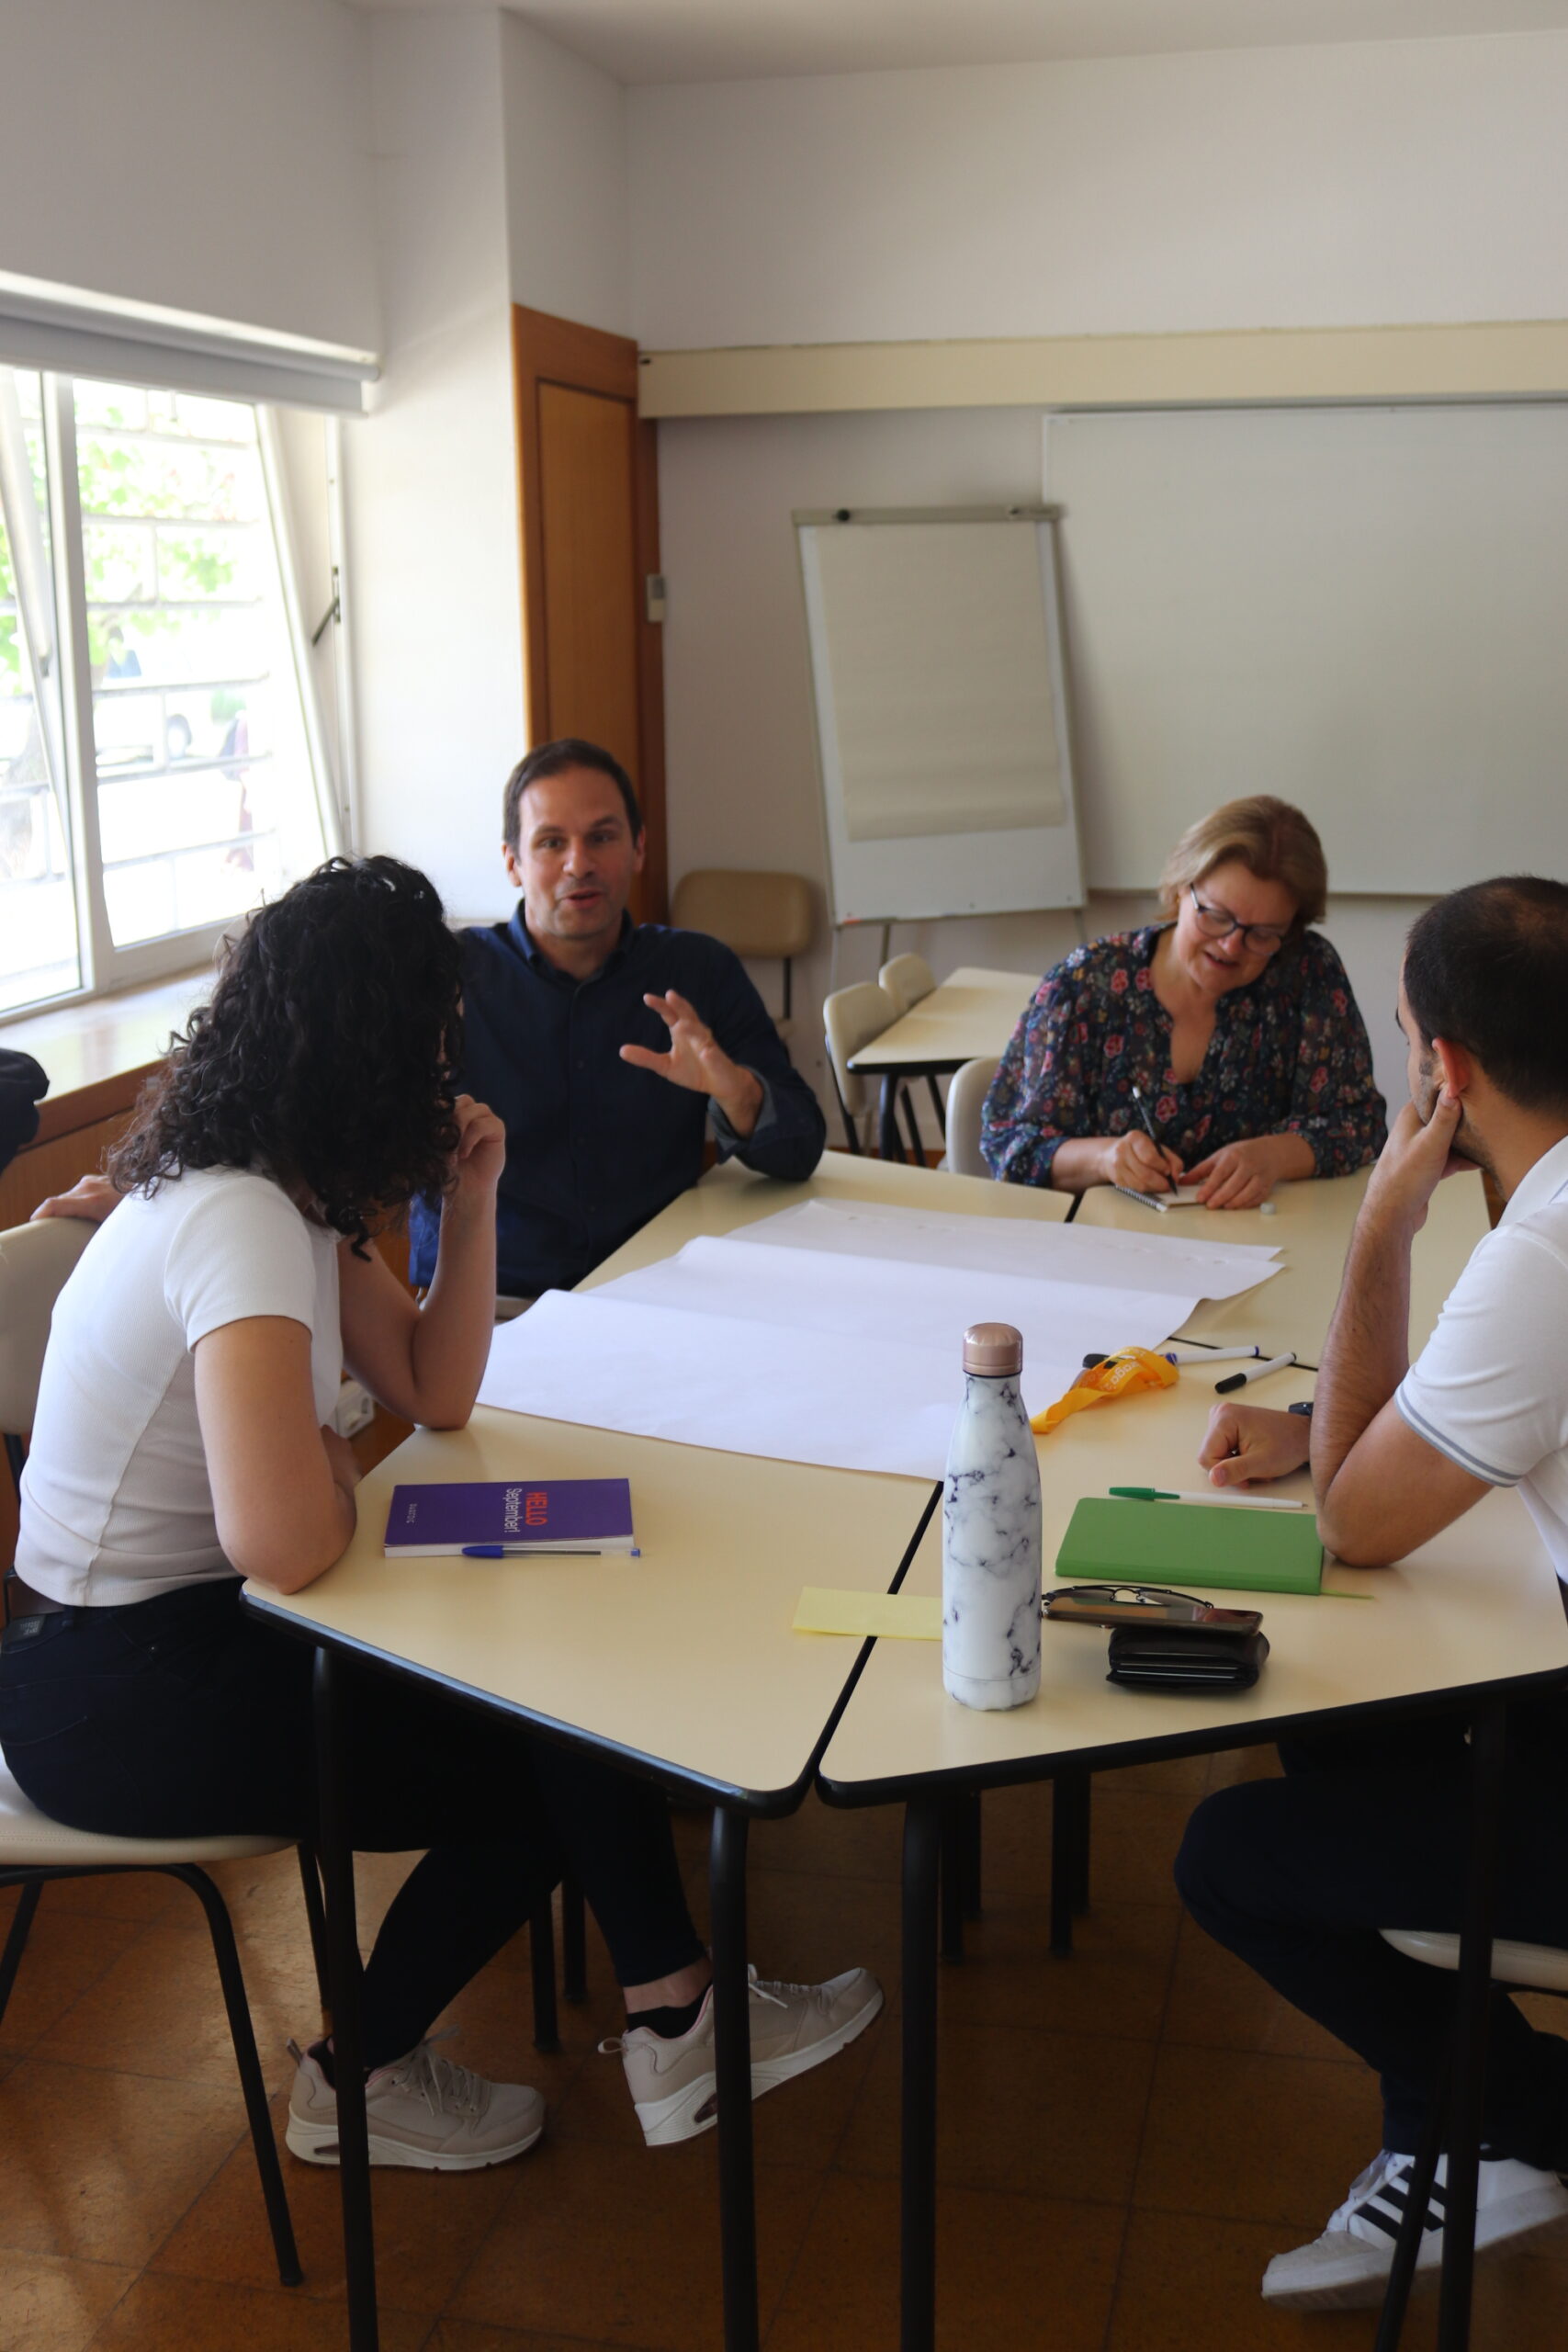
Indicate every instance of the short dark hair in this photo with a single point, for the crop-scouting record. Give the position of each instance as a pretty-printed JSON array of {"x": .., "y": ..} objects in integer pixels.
[
  {"x": 325, "y": 1055},
  {"x": 1487, "y": 969},
  {"x": 553, "y": 759}
]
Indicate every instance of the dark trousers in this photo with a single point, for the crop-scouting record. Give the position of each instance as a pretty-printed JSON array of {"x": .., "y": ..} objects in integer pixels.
[
  {"x": 1296, "y": 1876},
  {"x": 182, "y": 1716}
]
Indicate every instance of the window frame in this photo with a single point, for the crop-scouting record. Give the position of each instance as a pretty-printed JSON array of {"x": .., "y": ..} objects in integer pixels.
[{"x": 105, "y": 968}]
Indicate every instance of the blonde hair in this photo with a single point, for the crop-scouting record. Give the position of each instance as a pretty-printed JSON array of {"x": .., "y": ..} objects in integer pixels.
[{"x": 1272, "y": 840}]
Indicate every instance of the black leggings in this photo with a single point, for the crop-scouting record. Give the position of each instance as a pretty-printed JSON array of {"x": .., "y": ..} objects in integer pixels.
[
  {"x": 184, "y": 1717},
  {"x": 1296, "y": 1877}
]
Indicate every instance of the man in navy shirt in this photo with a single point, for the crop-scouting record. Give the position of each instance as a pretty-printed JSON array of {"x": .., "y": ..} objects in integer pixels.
[{"x": 605, "y": 1046}]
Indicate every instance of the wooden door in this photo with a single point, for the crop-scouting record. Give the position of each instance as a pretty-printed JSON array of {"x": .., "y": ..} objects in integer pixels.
[{"x": 587, "y": 464}]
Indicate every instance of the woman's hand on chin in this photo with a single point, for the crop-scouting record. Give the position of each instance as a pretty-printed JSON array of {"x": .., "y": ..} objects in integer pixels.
[
  {"x": 1242, "y": 1175},
  {"x": 481, "y": 1149}
]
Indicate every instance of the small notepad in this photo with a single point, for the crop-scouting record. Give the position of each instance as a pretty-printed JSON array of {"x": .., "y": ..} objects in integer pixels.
[
  {"x": 896, "y": 1616},
  {"x": 1222, "y": 1548}
]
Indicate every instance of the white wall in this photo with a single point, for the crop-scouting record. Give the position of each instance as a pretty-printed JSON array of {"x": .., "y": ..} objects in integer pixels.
[
  {"x": 431, "y": 474},
  {"x": 568, "y": 232},
  {"x": 742, "y": 777},
  {"x": 1413, "y": 181},
  {"x": 211, "y": 154}
]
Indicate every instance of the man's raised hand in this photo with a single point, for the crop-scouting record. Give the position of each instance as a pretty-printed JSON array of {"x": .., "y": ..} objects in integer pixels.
[{"x": 697, "y": 1060}]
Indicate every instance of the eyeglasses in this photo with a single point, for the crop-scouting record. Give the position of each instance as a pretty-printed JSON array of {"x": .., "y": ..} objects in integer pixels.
[
  {"x": 1114, "y": 1596},
  {"x": 1218, "y": 922}
]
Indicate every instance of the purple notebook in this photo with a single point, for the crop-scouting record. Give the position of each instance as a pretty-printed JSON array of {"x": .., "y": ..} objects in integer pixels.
[{"x": 541, "y": 1515}]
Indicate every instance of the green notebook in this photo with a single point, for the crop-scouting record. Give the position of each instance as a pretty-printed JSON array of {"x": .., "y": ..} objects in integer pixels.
[{"x": 1228, "y": 1547}]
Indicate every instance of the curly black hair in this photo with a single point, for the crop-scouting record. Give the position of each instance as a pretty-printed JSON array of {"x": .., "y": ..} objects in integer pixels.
[{"x": 325, "y": 1054}]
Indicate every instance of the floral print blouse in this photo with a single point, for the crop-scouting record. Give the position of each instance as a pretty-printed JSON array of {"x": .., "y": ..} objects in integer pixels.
[{"x": 1289, "y": 1056}]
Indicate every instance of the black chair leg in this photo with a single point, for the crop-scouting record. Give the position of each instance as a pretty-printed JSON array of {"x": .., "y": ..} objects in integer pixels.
[
  {"x": 17, "y": 1942},
  {"x": 542, "y": 1963},
  {"x": 573, "y": 1943},
  {"x": 937, "y": 1107},
  {"x": 242, "y": 2035},
  {"x": 316, "y": 1920},
  {"x": 917, "y": 1148}
]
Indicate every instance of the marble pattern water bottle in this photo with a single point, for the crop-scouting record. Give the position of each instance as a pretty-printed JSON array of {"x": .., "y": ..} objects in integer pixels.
[{"x": 990, "y": 1532}]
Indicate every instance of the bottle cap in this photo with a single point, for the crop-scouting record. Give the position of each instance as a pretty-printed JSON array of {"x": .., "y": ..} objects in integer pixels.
[{"x": 993, "y": 1348}]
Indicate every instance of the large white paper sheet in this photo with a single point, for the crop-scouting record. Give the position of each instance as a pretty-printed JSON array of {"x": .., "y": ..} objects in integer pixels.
[
  {"x": 887, "y": 1299},
  {"x": 715, "y": 1381},
  {"x": 1182, "y": 1264},
  {"x": 846, "y": 1359}
]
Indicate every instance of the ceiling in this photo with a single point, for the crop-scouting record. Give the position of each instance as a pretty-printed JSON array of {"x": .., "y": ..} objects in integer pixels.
[{"x": 724, "y": 41}]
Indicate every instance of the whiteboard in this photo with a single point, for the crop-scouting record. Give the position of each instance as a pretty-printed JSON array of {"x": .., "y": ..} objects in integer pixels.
[
  {"x": 939, "y": 684},
  {"x": 1359, "y": 609}
]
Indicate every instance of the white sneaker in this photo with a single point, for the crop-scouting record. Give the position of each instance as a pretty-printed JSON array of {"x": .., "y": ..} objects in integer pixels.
[
  {"x": 424, "y": 2112},
  {"x": 794, "y": 2027},
  {"x": 1350, "y": 2263}
]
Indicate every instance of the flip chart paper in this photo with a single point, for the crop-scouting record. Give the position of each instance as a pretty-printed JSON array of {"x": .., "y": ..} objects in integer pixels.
[
  {"x": 849, "y": 1360},
  {"x": 1183, "y": 1264},
  {"x": 891, "y": 1616}
]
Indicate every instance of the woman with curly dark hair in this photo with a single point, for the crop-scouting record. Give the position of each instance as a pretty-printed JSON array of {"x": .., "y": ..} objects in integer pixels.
[{"x": 184, "y": 1441}]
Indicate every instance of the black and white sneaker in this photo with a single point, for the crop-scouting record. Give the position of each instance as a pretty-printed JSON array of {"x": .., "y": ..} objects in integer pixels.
[{"x": 1350, "y": 2263}]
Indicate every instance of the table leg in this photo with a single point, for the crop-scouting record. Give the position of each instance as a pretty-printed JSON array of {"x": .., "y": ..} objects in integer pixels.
[
  {"x": 343, "y": 1974},
  {"x": 953, "y": 1882},
  {"x": 1066, "y": 1819},
  {"x": 1488, "y": 1734},
  {"x": 732, "y": 2070},
  {"x": 922, "y": 1846},
  {"x": 891, "y": 1146}
]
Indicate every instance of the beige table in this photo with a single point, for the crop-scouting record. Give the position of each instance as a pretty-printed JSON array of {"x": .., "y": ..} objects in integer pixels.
[
  {"x": 1312, "y": 1225},
  {"x": 1473, "y": 1615},
  {"x": 972, "y": 1014},
  {"x": 679, "y": 1663}
]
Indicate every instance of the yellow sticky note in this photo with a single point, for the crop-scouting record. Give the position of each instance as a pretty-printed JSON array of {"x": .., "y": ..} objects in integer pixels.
[{"x": 897, "y": 1616}]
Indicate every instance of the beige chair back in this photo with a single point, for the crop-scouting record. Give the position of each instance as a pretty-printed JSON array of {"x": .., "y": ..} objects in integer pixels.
[
  {"x": 755, "y": 914},
  {"x": 907, "y": 980},
  {"x": 965, "y": 1100},
  {"x": 35, "y": 1261},
  {"x": 850, "y": 1019}
]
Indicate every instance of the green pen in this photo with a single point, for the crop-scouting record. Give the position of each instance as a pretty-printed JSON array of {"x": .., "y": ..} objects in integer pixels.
[{"x": 1214, "y": 1495}]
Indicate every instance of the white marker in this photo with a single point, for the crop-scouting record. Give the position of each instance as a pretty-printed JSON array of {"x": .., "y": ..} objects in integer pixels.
[
  {"x": 1213, "y": 1355},
  {"x": 1255, "y": 1371}
]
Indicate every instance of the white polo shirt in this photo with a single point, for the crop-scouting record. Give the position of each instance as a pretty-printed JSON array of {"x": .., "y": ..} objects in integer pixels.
[{"x": 1490, "y": 1388}]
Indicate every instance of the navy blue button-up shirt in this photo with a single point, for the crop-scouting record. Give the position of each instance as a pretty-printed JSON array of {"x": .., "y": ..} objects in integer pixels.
[{"x": 594, "y": 1146}]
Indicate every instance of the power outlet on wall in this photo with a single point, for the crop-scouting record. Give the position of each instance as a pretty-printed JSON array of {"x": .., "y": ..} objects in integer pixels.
[{"x": 356, "y": 1410}]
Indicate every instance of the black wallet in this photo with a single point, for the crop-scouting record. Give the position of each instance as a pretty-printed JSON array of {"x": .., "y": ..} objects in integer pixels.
[{"x": 1185, "y": 1657}]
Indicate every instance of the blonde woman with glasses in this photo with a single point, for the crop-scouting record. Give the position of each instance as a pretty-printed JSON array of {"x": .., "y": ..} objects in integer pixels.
[{"x": 1221, "y": 1047}]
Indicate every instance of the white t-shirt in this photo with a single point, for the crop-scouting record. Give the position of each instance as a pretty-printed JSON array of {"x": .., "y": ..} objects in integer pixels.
[
  {"x": 1490, "y": 1388},
  {"x": 116, "y": 1500}
]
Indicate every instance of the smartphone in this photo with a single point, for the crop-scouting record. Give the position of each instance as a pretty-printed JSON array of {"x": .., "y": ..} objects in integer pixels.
[{"x": 1119, "y": 1604}]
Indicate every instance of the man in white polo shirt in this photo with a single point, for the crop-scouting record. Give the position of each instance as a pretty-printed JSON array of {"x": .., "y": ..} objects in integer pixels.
[{"x": 1297, "y": 1875}]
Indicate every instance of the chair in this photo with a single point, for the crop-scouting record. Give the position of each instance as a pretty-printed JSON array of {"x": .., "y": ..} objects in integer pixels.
[
  {"x": 965, "y": 1100},
  {"x": 1531, "y": 1968},
  {"x": 753, "y": 914},
  {"x": 851, "y": 1017},
  {"x": 35, "y": 1261},
  {"x": 907, "y": 978}
]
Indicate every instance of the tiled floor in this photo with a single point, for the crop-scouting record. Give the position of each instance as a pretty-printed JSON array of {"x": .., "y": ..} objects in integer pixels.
[{"x": 1125, "y": 2137}]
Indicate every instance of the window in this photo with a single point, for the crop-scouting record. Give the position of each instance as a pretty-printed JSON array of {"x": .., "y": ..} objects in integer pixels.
[{"x": 156, "y": 776}]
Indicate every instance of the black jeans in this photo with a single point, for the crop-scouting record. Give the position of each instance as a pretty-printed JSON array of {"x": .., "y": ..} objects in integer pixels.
[
  {"x": 182, "y": 1716},
  {"x": 1296, "y": 1877}
]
